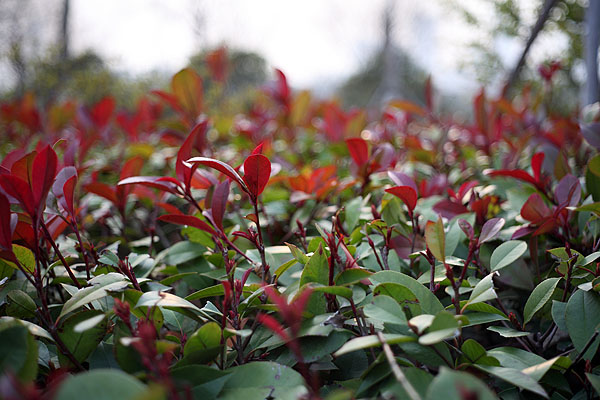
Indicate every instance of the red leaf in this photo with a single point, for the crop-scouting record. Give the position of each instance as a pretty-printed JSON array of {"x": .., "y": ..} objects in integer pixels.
[
  {"x": 102, "y": 111},
  {"x": 188, "y": 220},
  {"x": 43, "y": 173},
  {"x": 64, "y": 187},
  {"x": 515, "y": 173},
  {"x": 132, "y": 167},
  {"x": 221, "y": 167},
  {"x": 406, "y": 194},
  {"x": 20, "y": 190},
  {"x": 257, "y": 171},
  {"x": 162, "y": 183},
  {"x": 272, "y": 324},
  {"x": 536, "y": 165},
  {"x": 401, "y": 179},
  {"x": 102, "y": 190},
  {"x": 449, "y": 209},
  {"x": 185, "y": 151},
  {"x": 534, "y": 209},
  {"x": 359, "y": 150},
  {"x": 568, "y": 191},
  {"x": 258, "y": 149},
  {"x": 219, "y": 203},
  {"x": 465, "y": 188},
  {"x": 490, "y": 229},
  {"x": 6, "y": 227},
  {"x": 170, "y": 208}
]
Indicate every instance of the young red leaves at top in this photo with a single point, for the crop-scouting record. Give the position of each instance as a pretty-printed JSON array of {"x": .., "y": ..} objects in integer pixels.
[
  {"x": 359, "y": 151},
  {"x": 407, "y": 194},
  {"x": 536, "y": 180},
  {"x": 29, "y": 184},
  {"x": 257, "y": 171}
]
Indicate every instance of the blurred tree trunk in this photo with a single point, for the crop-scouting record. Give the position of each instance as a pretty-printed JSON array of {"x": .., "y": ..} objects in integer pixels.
[
  {"x": 591, "y": 44},
  {"x": 64, "y": 31},
  {"x": 535, "y": 31}
]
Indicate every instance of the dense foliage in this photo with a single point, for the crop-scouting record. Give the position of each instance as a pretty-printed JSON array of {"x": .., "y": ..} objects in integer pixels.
[{"x": 283, "y": 248}]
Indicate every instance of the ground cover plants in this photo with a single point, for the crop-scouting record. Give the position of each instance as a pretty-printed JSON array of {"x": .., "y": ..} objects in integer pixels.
[{"x": 281, "y": 247}]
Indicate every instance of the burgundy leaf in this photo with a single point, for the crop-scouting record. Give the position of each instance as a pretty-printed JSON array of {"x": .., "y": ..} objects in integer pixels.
[
  {"x": 102, "y": 190},
  {"x": 219, "y": 203},
  {"x": 185, "y": 151},
  {"x": 273, "y": 325},
  {"x": 490, "y": 229},
  {"x": 6, "y": 228},
  {"x": 449, "y": 209},
  {"x": 406, "y": 194},
  {"x": 591, "y": 133},
  {"x": 162, "y": 183},
  {"x": 257, "y": 171},
  {"x": 20, "y": 190},
  {"x": 466, "y": 227},
  {"x": 534, "y": 209},
  {"x": 188, "y": 220},
  {"x": 64, "y": 187},
  {"x": 359, "y": 150},
  {"x": 514, "y": 173},
  {"x": 568, "y": 191},
  {"x": 465, "y": 188},
  {"x": 43, "y": 173},
  {"x": 221, "y": 167},
  {"x": 401, "y": 179},
  {"x": 536, "y": 165}
]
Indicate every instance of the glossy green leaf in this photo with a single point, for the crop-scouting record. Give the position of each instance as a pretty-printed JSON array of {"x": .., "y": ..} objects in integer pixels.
[
  {"x": 100, "y": 285},
  {"x": 539, "y": 297},
  {"x": 507, "y": 253},
  {"x": 101, "y": 384},
  {"x": 365, "y": 342},
  {"x": 582, "y": 317}
]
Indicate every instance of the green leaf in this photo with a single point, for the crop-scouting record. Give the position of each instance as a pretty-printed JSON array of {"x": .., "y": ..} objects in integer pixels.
[
  {"x": 352, "y": 212},
  {"x": 317, "y": 271},
  {"x": 450, "y": 385},
  {"x": 100, "y": 384},
  {"x": 20, "y": 304},
  {"x": 436, "y": 239},
  {"x": 507, "y": 332},
  {"x": 297, "y": 253},
  {"x": 164, "y": 299},
  {"x": 558, "y": 314},
  {"x": 386, "y": 310},
  {"x": 80, "y": 344},
  {"x": 483, "y": 291},
  {"x": 365, "y": 342},
  {"x": 212, "y": 291},
  {"x": 335, "y": 290},
  {"x": 511, "y": 357},
  {"x": 261, "y": 380},
  {"x": 515, "y": 377},
  {"x": 539, "y": 297},
  {"x": 24, "y": 256},
  {"x": 18, "y": 350},
  {"x": 429, "y": 303},
  {"x": 507, "y": 253},
  {"x": 443, "y": 326},
  {"x": 396, "y": 291},
  {"x": 352, "y": 275},
  {"x": 203, "y": 346},
  {"x": 582, "y": 317},
  {"x": 34, "y": 329},
  {"x": 111, "y": 281},
  {"x": 595, "y": 381}
]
